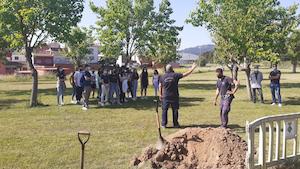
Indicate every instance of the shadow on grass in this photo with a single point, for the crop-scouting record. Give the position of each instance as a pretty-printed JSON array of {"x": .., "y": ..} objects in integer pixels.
[
  {"x": 144, "y": 104},
  {"x": 290, "y": 85},
  {"x": 197, "y": 86},
  {"x": 200, "y": 80},
  {"x": 7, "y": 103},
  {"x": 50, "y": 91},
  {"x": 235, "y": 127},
  {"x": 292, "y": 101}
]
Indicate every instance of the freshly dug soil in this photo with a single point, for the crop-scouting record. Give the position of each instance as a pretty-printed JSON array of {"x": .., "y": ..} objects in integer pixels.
[{"x": 197, "y": 148}]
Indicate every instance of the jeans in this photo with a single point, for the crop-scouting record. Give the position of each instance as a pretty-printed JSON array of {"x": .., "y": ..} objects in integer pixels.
[
  {"x": 73, "y": 92},
  {"x": 134, "y": 88},
  {"x": 156, "y": 89},
  {"x": 60, "y": 94},
  {"x": 104, "y": 93},
  {"x": 225, "y": 107},
  {"x": 165, "y": 106},
  {"x": 260, "y": 93},
  {"x": 86, "y": 96},
  {"x": 275, "y": 90},
  {"x": 114, "y": 89},
  {"x": 79, "y": 91}
]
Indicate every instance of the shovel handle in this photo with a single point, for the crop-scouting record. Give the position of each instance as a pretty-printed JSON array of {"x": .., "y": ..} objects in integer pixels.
[
  {"x": 157, "y": 116},
  {"x": 83, "y": 133}
]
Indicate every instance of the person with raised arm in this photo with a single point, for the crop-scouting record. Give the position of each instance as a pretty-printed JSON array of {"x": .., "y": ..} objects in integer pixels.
[{"x": 169, "y": 94}]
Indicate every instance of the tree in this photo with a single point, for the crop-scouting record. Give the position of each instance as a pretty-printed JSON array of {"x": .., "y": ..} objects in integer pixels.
[
  {"x": 246, "y": 31},
  {"x": 123, "y": 26},
  {"x": 77, "y": 45},
  {"x": 30, "y": 22},
  {"x": 293, "y": 46},
  {"x": 163, "y": 38}
]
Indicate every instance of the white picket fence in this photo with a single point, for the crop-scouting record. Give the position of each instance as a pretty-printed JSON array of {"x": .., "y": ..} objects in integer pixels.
[{"x": 266, "y": 156}]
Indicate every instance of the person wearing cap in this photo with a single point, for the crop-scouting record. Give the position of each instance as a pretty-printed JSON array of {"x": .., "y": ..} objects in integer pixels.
[
  {"x": 274, "y": 77},
  {"x": 256, "y": 78},
  {"x": 169, "y": 93},
  {"x": 224, "y": 88}
]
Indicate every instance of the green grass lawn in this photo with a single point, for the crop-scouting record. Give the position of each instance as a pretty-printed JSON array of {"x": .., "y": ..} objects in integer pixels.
[{"x": 46, "y": 137}]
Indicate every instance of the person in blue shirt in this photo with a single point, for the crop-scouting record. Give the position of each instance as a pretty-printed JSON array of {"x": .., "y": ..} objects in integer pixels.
[{"x": 169, "y": 93}]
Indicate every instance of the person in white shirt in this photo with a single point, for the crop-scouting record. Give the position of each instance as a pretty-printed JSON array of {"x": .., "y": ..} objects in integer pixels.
[
  {"x": 155, "y": 81},
  {"x": 79, "y": 88},
  {"x": 256, "y": 78}
]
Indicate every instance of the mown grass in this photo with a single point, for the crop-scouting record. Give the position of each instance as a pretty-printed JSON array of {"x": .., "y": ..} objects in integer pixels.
[{"x": 45, "y": 137}]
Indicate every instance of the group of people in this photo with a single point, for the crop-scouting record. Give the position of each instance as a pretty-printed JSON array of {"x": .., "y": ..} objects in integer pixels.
[
  {"x": 226, "y": 87},
  {"x": 115, "y": 86},
  {"x": 111, "y": 85},
  {"x": 256, "y": 78}
]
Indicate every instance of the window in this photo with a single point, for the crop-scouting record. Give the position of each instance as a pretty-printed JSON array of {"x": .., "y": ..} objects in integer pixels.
[{"x": 16, "y": 57}]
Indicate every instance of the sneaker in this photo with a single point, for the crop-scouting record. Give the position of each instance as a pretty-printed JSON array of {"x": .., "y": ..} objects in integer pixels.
[
  {"x": 163, "y": 127},
  {"x": 134, "y": 99},
  {"x": 273, "y": 104},
  {"x": 84, "y": 108},
  {"x": 279, "y": 105}
]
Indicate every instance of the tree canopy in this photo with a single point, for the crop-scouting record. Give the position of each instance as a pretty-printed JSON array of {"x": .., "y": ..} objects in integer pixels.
[
  {"x": 293, "y": 46},
  {"x": 164, "y": 40},
  {"x": 27, "y": 23},
  {"x": 251, "y": 29},
  {"x": 123, "y": 26},
  {"x": 127, "y": 28},
  {"x": 77, "y": 45}
]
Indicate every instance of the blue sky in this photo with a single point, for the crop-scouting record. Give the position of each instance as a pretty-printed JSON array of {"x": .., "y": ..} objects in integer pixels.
[{"x": 190, "y": 36}]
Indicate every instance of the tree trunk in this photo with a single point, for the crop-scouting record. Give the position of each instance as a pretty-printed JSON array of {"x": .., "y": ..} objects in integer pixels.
[
  {"x": 294, "y": 63},
  {"x": 249, "y": 91},
  {"x": 235, "y": 70},
  {"x": 34, "y": 73},
  {"x": 230, "y": 68}
]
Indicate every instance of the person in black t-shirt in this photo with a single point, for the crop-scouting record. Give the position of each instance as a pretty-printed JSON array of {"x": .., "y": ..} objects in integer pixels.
[
  {"x": 170, "y": 95},
  {"x": 144, "y": 82},
  {"x": 60, "y": 85},
  {"x": 114, "y": 87},
  {"x": 224, "y": 88},
  {"x": 274, "y": 77},
  {"x": 87, "y": 87},
  {"x": 134, "y": 83},
  {"x": 105, "y": 85}
]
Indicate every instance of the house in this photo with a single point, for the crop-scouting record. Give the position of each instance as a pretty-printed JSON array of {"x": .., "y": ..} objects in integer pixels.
[
  {"x": 10, "y": 65},
  {"x": 46, "y": 59}
]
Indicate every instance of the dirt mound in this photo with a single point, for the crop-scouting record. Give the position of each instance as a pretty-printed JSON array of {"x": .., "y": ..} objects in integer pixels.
[{"x": 197, "y": 148}]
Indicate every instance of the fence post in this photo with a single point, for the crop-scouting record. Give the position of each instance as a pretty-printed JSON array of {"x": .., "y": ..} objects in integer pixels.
[
  {"x": 262, "y": 145},
  {"x": 284, "y": 141},
  {"x": 250, "y": 153},
  {"x": 271, "y": 140},
  {"x": 277, "y": 153},
  {"x": 295, "y": 152}
]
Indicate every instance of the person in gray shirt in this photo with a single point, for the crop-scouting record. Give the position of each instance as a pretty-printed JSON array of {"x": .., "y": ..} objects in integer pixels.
[{"x": 256, "y": 78}]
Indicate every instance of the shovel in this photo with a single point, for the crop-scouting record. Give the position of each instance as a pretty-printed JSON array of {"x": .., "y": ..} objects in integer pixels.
[
  {"x": 83, "y": 137},
  {"x": 161, "y": 141}
]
